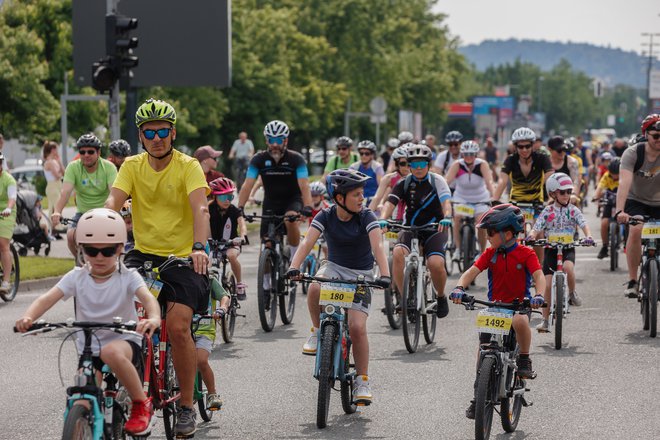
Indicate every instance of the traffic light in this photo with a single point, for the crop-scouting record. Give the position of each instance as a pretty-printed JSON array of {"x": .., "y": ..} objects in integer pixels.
[{"x": 119, "y": 59}]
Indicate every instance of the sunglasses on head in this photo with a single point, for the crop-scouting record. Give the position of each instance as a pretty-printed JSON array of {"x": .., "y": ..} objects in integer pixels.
[
  {"x": 225, "y": 197},
  {"x": 655, "y": 136},
  {"x": 418, "y": 164},
  {"x": 161, "y": 132},
  {"x": 563, "y": 192},
  {"x": 94, "y": 251},
  {"x": 85, "y": 152},
  {"x": 279, "y": 140},
  {"x": 524, "y": 146}
]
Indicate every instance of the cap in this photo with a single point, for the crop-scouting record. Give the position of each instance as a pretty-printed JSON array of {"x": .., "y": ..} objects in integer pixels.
[{"x": 205, "y": 152}]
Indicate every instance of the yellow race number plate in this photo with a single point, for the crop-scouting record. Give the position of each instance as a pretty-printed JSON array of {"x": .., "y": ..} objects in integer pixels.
[
  {"x": 392, "y": 236},
  {"x": 563, "y": 237},
  {"x": 651, "y": 230},
  {"x": 496, "y": 322},
  {"x": 337, "y": 294},
  {"x": 464, "y": 210}
]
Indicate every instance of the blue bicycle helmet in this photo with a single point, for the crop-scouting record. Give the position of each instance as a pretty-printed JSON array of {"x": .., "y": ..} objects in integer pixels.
[{"x": 502, "y": 217}]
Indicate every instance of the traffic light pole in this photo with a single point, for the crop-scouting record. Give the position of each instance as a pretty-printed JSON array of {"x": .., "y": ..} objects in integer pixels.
[{"x": 113, "y": 103}]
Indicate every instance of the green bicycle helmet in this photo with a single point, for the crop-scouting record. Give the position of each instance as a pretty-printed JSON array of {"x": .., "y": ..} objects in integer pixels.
[{"x": 155, "y": 110}]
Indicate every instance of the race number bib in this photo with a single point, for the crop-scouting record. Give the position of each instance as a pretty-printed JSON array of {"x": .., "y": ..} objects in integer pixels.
[
  {"x": 154, "y": 287},
  {"x": 337, "y": 294},
  {"x": 392, "y": 236},
  {"x": 464, "y": 210},
  {"x": 528, "y": 213},
  {"x": 651, "y": 230},
  {"x": 495, "y": 321},
  {"x": 563, "y": 237}
]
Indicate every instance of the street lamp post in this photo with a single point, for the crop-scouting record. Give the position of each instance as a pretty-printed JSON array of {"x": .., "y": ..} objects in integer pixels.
[
  {"x": 540, "y": 106},
  {"x": 649, "y": 67}
]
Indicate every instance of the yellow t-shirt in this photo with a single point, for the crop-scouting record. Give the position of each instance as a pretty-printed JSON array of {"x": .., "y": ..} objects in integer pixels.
[
  {"x": 580, "y": 164},
  {"x": 162, "y": 217},
  {"x": 606, "y": 182}
]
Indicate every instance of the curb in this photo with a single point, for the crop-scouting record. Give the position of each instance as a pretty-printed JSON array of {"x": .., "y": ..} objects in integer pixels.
[{"x": 42, "y": 283}]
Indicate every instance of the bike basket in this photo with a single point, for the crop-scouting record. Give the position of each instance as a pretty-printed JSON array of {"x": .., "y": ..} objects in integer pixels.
[
  {"x": 337, "y": 294},
  {"x": 464, "y": 210},
  {"x": 651, "y": 230},
  {"x": 563, "y": 236},
  {"x": 494, "y": 321}
]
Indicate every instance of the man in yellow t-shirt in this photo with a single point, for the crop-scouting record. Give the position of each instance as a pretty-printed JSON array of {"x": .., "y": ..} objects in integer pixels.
[{"x": 170, "y": 216}]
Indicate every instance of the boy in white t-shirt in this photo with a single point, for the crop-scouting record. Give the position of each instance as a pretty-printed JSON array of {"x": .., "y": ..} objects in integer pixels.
[{"x": 104, "y": 288}]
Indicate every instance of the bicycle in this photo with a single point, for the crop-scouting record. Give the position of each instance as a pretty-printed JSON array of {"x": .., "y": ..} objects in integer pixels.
[
  {"x": 312, "y": 261},
  {"x": 333, "y": 355},
  {"x": 418, "y": 300},
  {"x": 468, "y": 250},
  {"x": 92, "y": 411},
  {"x": 559, "y": 304},
  {"x": 219, "y": 263},
  {"x": 274, "y": 260},
  {"x": 497, "y": 380},
  {"x": 615, "y": 230},
  {"x": 531, "y": 212},
  {"x": 79, "y": 258},
  {"x": 648, "y": 278},
  {"x": 392, "y": 295},
  {"x": 14, "y": 276}
]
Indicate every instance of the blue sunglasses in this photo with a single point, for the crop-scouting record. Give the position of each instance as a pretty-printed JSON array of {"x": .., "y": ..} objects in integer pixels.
[
  {"x": 224, "y": 197},
  {"x": 275, "y": 140},
  {"x": 418, "y": 164},
  {"x": 161, "y": 132}
]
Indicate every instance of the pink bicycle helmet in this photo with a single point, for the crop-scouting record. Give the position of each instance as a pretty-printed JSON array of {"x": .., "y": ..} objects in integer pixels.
[{"x": 222, "y": 185}]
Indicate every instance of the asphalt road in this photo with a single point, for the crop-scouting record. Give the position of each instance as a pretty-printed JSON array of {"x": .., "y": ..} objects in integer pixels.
[{"x": 603, "y": 384}]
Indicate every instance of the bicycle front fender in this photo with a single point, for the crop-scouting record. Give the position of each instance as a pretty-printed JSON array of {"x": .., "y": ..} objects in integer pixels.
[{"x": 98, "y": 421}]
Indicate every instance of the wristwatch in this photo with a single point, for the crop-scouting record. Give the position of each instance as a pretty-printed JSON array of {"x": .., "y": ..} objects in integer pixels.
[{"x": 197, "y": 246}]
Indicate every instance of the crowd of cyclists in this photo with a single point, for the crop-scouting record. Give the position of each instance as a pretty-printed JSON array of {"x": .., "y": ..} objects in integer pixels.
[{"x": 159, "y": 203}]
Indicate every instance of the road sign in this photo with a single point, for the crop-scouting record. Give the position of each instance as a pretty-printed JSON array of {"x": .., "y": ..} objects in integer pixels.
[
  {"x": 654, "y": 84},
  {"x": 378, "y": 105},
  {"x": 378, "y": 119}
]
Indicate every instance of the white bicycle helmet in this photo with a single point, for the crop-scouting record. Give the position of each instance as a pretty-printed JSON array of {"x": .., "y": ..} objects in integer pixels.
[
  {"x": 469, "y": 147},
  {"x": 419, "y": 152},
  {"x": 392, "y": 142},
  {"x": 558, "y": 181},
  {"x": 101, "y": 225},
  {"x": 400, "y": 153},
  {"x": 523, "y": 134},
  {"x": 276, "y": 128},
  {"x": 367, "y": 145},
  {"x": 405, "y": 137},
  {"x": 317, "y": 189}
]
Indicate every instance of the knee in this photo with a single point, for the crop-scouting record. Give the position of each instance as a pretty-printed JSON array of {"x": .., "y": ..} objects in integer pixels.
[
  {"x": 436, "y": 263},
  {"x": 398, "y": 255},
  {"x": 357, "y": 330},
  {"x": 178, "y": 332}
]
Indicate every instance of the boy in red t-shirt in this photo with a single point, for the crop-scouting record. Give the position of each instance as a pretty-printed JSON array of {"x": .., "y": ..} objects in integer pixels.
[{"x": 511, "y": 268}]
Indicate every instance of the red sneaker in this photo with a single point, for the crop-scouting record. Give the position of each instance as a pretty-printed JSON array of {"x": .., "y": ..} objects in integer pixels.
[{"x": 139, "y": 423}]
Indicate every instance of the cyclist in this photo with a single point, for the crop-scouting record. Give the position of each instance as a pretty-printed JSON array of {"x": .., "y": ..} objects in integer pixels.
[
  {"x": 608, "y": 186},
  {"x": 639, "y": 192},
  {"x": 286, "y": 183},
  {"x": 473, "y": 185},
  {"x": 619, "y": 146},
  {"x": 344, "y": 157},
  {"x": 385, "y": 157},
  {"x": 427, "y": 199},
  {"x": 405, "y": 137},
  {"x": 8, "y": 194},
  {"x": 228, "y": 223},
  {"x": 491, "y": 155},
  {"x": 104, "y": 289},
  {"x": 370, "y": 167},
  {"x": 118, "y": 151},
  {"x": 446, "y": 158},
  {"x": 511, "y": 267},
  {"x": 401, "y": 170},
  {"x": 319, "y": 194},
  {"x": 354, "y": 240},
  {"x": 170, "y": 217},
  {"x": 603, "y": 161},
  {"x": 127, "y": 214},
  {"x": 559, "y": 216},
  {"x": 208, "y": 159},
  {"x": 562, "y": 162},
  {"x": 91, "y": 177}
]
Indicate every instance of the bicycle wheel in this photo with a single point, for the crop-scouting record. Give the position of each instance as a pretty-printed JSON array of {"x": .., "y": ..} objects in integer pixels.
[
  {"x": 14, "y": 276},
  {"x": 201, "y": 394},
  {"x": 559, "y": 310},
  {"x": 614, "y": 245},
  {"x": 229, "y": 321},
  {"x": 485, "y": 399},
  {"x": 78, "y": 424},
  {"x": 171, "y": 388},
  {"x": 120, "y": 413},
  {"x": 410, "y": 309},
  {"x": 511, "y": 406},
  {"x": 449, "y": 252},
  {"x": 653, "y": 297},
  {"x": 307, "y": 267},
  {"x": 346, "y": 387},
  {"x": 266, "y": 298},
  {"x": 644, "y": 303},
  {"x": 288, "y": 296},
  {"x": 326, "y": 378},
  {"x": 467, "y": 243},
  {"x": 429, "y": 320},
  {"x": 392, "y": 301}
]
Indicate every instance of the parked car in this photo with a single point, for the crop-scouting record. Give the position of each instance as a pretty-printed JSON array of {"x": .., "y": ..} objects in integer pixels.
[{"x": 30, "y": 177}]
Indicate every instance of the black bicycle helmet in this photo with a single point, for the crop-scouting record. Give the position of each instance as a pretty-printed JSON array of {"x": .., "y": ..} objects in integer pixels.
[
  {"x": 502, "y": 217},
  {"x": 120, "y": 148},
  {"x": 88, "y": 140},
  {"x": 453, "y": 137},
  {"x": 342, "y": 181},
  {"x": 344, "y": 141},
  {"x": 614, "y": 166}
]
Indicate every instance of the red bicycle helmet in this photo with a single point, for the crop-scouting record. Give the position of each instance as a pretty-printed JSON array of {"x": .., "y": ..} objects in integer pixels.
[
  {"x": 222, "y": 185},
  {"x": 651, "y": 120}
]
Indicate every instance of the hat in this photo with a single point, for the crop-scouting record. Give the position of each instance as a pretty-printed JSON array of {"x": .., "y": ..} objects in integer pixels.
[
  {"x": 205, "y": 152},
  {"x": 556, "y": 143}
]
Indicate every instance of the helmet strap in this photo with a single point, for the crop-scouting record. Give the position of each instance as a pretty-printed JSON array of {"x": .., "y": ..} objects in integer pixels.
[
  {"x": 159, "y": 157},
  {"x": 342, "y": 206}
]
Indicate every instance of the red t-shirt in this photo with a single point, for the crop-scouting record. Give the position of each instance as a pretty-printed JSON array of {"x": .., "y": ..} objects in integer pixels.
[
  {"x": 315, "y": 211},
  {"x": 509, "y": 273}
]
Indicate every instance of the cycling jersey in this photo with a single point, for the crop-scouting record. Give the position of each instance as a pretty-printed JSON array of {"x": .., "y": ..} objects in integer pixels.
[
  {"x": 92, "y": 189},
  {"x": 509, "y": 272},
  {"x": 556, "y": 218},
  {"x": 527, "y": 188},
  {"x": 608, "y": 183},
  {"x": 423, "y": 199},
  {"x": 581, "y": 169},
  {"x": 401, "y": 206},
  {"x": 280, "y": 179},
  {"x": 336, "y": 164},
  {"x": 373, "y": 170},
  {"x": 470, "y": 185},
  {"x": 564, "y": 168},
  {"x": 224, "y": 224}
]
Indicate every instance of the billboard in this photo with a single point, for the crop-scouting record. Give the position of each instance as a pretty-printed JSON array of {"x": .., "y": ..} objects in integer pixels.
[{"x": 501, "y": 106}]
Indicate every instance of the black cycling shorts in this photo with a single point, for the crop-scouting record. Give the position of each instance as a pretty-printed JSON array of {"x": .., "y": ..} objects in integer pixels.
[
  {"x": 607, "y": 211},
  {"x": 294, "y": 205},
  {"x": 550, "y": 259},
  {"x": 181, "y": 285},
  {"x": 432, "y": 243},
  {"x": 633, "y": 207},
  {"x": 136, "y": 358}
]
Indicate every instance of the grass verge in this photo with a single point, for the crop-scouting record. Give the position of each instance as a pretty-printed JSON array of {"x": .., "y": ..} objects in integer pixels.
[{"x": 33, "y": 268}]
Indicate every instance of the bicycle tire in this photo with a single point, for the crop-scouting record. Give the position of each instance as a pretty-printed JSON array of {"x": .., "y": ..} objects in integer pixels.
[
  {"x": 120, "y": 412},
  {"x": 614, "y": 245},
  {"x": 14, "y": 277},
  {"x": 644, "y": 303},
  {"x": 429, "y": 320},
  {"x": 202, "y": 392},
  {"x": 410, "y": 309},
  {"x": 653, "y": 297},
  {"x": 287, "y": 298},
  {"x": 449, "y": 252},
  {"x": 266, "y": 300},
  {"x": 78, "y": 423},
  {"x": 306, "y": 268},
  {"x": 326, "y": 378},
  {"x": 511, "y": 407},
  {"x": 559, "y": 310},
  {"x": 171, "y": 387},
  {"x": 392, "y": 300},
  {"x": 346, "y": 387},
  {"x": 466, "y": 248},
  {"x": 484, "y": 399},
  {"x": 229, "y": 321}
]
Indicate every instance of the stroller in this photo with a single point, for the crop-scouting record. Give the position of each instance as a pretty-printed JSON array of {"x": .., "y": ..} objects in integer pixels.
[{"x": 27, "y": 232}]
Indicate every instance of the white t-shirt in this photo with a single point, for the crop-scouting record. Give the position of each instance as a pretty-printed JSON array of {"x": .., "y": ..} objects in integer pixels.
[
  {"x": 101, "y": 302},
  {"x": 242, "y": 149}
]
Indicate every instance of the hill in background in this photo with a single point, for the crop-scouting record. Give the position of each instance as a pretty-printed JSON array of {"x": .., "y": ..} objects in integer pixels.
[{"x": 614, "y": 66}]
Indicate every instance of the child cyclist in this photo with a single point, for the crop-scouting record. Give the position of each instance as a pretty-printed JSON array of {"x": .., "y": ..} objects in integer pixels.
[
  {"x": 607, "y": 186},
  {"x": 354, "y": 237},
  {"x": 103, "y": 289},
  {"x": 511, "y": 268},
  {"x": 319, "y": 203},
  {"x": 559, "y": 216},
  {"x": 227, "y": 223}
]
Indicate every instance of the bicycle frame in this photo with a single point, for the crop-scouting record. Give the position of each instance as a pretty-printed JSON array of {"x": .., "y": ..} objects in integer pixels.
[
  {"x": 558, "y": 273},
  {"x": 502, "y": 349},
  {"x": 339, "y": 319}
]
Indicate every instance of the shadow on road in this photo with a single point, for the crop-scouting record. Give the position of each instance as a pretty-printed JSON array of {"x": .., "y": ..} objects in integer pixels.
[
  {"x": 280, "y": 331},
  {"x": 566, "y": 350},
  {"x": 642, "y": 337},
  {"x": 516, "y": 435},
  {"x": 431, "y": 352},
  {"x": 340, "y": 426}
]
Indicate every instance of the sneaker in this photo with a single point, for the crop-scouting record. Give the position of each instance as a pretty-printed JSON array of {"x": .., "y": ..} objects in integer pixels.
[
  {"x": 213, "y": 402},
  {"x": 362, "y": 392},
  {"x": 574, "y": 299},
  {"x": 442, "y": 307},
  {"x": 186, "y": 422},
  {"x": 630, "y": 292},
  {"x": 312, "y": 343},
  {"x": 139, "y": 421},
  {"x": 240, "y": 291},
  {"x": 543, "y": 327},
  {"x": 5, "y": 286},
  {"x": 525, "y": 370},
  {"x": 469, "y": 412},
  {"x": 603, "y": 253}
]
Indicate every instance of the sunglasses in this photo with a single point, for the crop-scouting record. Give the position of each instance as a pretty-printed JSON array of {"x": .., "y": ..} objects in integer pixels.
[
  {"x": 94, "y": 251},
  {"x": 342, "y": 148},
  {"x": 365, "y": 153},
  {"x": 224, "y": 197},
  {"x": 468, "y": 154},
  {"x": 161, "y": 132},
  {"x": 655, "y": 136},
  {"x": 402, "y": 163},
  {"x": 418, "y": 164},
  {"x": 524, "y": 147},
  {"x": 453, "y": 144},
  {"x": 275, "y": 140},
  {"x": 85, "y": 152},
  {"x": 563, "y": 192}
]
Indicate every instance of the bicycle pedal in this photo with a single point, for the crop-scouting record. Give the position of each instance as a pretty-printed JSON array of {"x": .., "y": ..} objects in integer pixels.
[
  {"x": 525, "y": 403},
  {"x": 185, "y": 436}
]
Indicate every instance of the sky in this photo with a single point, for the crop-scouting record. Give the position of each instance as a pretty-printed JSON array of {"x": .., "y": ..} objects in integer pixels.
[{"x": 617, "y": 23}]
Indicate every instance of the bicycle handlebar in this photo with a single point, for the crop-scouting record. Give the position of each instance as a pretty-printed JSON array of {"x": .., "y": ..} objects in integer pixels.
[
  {"x": 42, "y": 326},
  {"x": 553, "y": 245},
  {"x": 306, "y": 278},
  {"x": 640, "y": 219},
  {"x": 517, "y": 306},
  {"x": 251, "y": 217},
  {"x": 399, "y": 227}
]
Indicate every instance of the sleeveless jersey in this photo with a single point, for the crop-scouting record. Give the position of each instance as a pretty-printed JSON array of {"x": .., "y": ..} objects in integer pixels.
[{"x": 470, "y": 185}]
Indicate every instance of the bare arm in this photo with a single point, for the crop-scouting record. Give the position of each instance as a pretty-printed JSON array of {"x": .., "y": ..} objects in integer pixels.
[
  {"x": 488, "y": 177},
  {"x": 382, "y": 188},
  {"x": 539, "y": 282},
  {"x": 468, "y": 276},
  {"x": 303, "y": 183},
  {"x": 244, "y": 195},
  {"x": 152, "y": 308},
  {"x": 116, "y": 199},
  {"x": 38, "y": 307},
  {"x": 201, "y": 226},
  {"x": 242, "y": 227},
  {"x": 625, "y": 182},
  {"x": 451, "y": 173},
  {"x": 305, "y": 247},
  {"x": 376, "y": 241},
  {"x": 501, "y": 186},
  {"x": 574, "y": 171},
  {"x": 386, "y": 212}
]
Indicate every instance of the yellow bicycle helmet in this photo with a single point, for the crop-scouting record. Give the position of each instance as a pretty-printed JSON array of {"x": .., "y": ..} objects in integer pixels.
[{"x": 155, "y": 110}]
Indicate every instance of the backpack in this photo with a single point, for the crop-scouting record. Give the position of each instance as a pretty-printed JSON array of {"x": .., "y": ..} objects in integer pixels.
[
  {"x": 406, "y": 183},
  {"x": 639, "y": 149}
]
